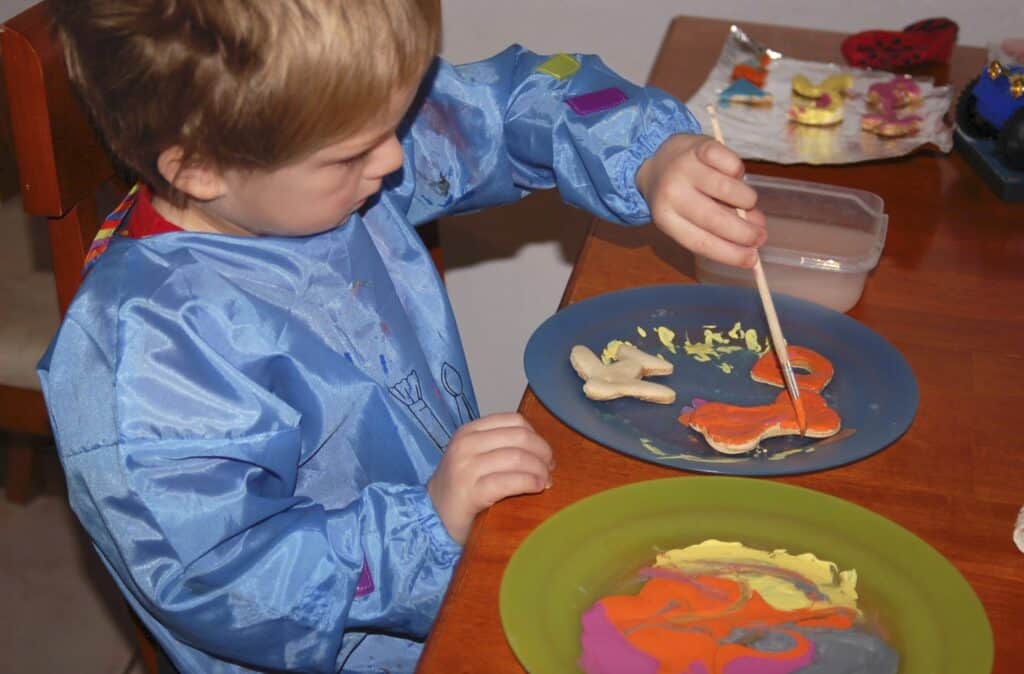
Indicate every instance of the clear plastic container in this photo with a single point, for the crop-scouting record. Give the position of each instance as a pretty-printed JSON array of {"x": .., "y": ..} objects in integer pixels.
[{"x": 823, "y": 240}]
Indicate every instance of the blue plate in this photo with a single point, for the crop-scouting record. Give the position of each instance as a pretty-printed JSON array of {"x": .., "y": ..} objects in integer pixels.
[{"x": 873, "y": 389}]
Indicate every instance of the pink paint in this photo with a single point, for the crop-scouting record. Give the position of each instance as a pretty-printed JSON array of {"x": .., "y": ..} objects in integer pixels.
[
  {"x": 896, "y": 93},
  {"x": 890, "y": 123},
  {"x": 365, "y": 585},
  {"x": 607, "y": 651}
]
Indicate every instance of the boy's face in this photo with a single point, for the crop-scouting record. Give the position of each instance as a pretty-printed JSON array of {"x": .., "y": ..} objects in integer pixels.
[{"x": 313, "y": 194}]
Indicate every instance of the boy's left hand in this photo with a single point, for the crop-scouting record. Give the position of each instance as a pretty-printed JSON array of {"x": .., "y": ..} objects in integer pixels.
[{"x": 693, "y": 186}]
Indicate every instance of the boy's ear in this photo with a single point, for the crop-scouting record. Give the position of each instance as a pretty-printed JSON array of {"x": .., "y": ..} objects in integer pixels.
[{"x": 198, "y": 180}]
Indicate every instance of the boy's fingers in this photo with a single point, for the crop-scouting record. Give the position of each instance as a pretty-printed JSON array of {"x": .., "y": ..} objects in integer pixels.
[
  {"x": 706, "y": 244},
  {"x": 498, "y": 420},
  {"x": 511, "y": 459},
  {"x": 756, "y": 217},
  {"x": 719, "y": 157},
  {"x": 497, "y": 486},
  {"x": 716, "y": 219},
  {"x": 725, "y": 189},
  {"x": 510, "y": 436}
]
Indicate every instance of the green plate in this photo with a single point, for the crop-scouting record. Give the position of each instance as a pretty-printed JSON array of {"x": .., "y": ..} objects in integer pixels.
[{"x": 595, "y": 546}]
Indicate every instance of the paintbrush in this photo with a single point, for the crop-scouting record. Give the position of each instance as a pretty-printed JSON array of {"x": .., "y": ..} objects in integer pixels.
[{"x": 769, "y": 311}]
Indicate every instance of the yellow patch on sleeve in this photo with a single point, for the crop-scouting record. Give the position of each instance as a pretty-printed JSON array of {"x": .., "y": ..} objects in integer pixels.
[{"x": 559, "y": 66}]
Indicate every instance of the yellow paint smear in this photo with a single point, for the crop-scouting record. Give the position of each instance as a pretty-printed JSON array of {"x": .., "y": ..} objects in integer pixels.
[
  {"x": 611, "y": 351},
  {"x": 667, "y": 338},
  {"x": 840, "y": 587},
  {"x": 649, "y": 446},
  {"x": 716, "y": 344}
]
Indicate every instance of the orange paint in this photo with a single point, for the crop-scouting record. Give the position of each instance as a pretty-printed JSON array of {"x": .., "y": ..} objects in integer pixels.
[
  {"x": 818, "y": 368},
  {"x": 801, "y": 415},
  {"x": 733, "y": 428},
  {"x": 753, "y": 75},
  {"x": 686, "y": 620}
]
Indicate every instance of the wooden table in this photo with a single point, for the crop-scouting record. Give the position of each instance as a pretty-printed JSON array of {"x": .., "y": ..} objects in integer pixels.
[{"x": 948, "y": 293}]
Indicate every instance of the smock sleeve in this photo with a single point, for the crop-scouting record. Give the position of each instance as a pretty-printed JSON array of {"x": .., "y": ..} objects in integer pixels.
[
  {"x": 486, "y": 133},
  {"x": 185, "y": 479}
]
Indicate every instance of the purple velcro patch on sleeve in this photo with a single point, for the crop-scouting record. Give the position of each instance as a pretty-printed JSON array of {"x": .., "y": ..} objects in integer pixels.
[
  {"x": 596, "y": 101},
  {"x": 365, "y": 585}
]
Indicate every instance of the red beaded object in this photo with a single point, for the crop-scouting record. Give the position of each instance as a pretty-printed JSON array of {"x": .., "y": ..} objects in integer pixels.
[{"x": 928, "y": 41}]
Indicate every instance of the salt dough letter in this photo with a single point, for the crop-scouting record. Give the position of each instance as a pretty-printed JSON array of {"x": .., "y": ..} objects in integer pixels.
[{"x": 624, "y": 377}]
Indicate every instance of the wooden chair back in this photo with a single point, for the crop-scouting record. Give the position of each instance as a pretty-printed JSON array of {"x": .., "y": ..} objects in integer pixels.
[{"x": 62, "y": 165}]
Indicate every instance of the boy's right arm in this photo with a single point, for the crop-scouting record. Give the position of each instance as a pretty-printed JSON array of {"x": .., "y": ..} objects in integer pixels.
[
  {"x": 489, "y": 132},
  {"x": 203, "y": 526}
]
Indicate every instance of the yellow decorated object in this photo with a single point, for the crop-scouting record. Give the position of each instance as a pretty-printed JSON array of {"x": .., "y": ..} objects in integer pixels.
[
  {"x": 819, "y": 104},
  {"x": 825, "y": 110},
  {"x": 834, "y": 84}
]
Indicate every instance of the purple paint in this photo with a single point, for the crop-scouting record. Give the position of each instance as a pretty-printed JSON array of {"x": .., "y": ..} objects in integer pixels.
[
  {"x": 679, "y": 577},
  {"x": 365, "y": 585},
  {"x": 607, "y": 651},
  {"x": 596, "y": 101},
  {"x": 802, "y": 583}
]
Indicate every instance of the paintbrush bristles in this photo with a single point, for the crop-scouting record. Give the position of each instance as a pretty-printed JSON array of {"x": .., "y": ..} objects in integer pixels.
[{"x": 774, "y": 328}]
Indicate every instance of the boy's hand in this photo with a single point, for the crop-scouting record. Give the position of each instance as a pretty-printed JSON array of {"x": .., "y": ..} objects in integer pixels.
[
  {"x": 487, "y": 460},
  {"x": 693, "y": 186}
]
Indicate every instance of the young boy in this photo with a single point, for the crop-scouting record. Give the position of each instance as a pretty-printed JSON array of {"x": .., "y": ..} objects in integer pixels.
[{"x": 245, "y": 393}]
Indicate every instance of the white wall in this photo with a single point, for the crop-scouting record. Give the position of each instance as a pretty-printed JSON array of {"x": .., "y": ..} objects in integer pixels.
[
  {"x": 9, "y": 8},
  {"x": 507, "y": 268}
]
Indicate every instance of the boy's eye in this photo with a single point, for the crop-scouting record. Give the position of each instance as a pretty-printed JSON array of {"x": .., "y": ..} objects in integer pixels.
[{"x": 346, "y": 161}]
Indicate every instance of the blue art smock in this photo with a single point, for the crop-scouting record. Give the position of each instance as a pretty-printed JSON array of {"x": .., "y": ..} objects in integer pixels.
[{"x": 247, "y": 424}]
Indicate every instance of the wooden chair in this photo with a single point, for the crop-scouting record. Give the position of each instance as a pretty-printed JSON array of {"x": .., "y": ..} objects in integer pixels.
[
  {"x": 62, "y": 169},
  {"x": 61, "y": 165}
]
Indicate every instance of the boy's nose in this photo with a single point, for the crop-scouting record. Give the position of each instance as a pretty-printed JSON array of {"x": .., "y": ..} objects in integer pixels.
[{"x": 387, "y": 158}]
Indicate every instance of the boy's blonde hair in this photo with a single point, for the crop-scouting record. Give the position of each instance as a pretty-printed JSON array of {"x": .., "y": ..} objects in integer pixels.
[{"x": 243, "y": 84}]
